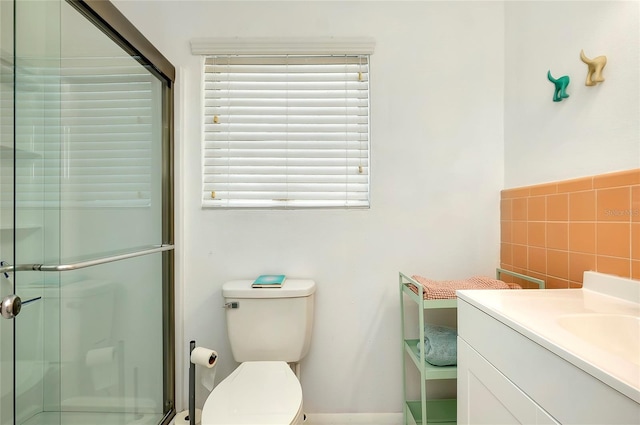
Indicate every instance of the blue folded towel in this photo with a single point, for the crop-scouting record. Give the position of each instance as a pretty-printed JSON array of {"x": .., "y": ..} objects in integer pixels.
[{"x": 440, "y": 345}]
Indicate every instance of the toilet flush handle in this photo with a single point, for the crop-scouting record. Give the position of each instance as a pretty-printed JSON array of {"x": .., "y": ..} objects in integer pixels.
[{"x": 232, "y": 304}]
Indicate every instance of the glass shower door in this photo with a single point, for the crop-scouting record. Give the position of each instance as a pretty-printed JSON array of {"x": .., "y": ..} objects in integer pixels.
[
  {"x": 89, "y": 219},
  {"x": 36, "y": 132},
  {"x": 6, "y": 206}
]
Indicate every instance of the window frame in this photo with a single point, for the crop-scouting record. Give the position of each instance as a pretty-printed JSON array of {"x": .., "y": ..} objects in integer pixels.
[{"x": 313, "y": 47}]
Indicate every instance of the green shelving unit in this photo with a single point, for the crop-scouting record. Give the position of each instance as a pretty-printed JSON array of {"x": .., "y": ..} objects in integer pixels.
[
  {"x": 423, "y": 411},
  {"x": 438, "y": 411},
  {"x": 431, "y": 371}
]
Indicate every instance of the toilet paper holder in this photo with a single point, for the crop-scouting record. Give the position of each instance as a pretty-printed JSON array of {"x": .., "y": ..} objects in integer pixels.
[
  {"x": 204, "y": 357},
  {"x": 192, "y": 386}
]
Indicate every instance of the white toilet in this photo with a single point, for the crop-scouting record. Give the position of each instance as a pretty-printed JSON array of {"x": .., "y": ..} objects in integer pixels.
[{"x": 269, "y": 331}]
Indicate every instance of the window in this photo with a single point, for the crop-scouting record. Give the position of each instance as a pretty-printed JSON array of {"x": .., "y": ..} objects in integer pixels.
[{"x": 286, "y": 131}]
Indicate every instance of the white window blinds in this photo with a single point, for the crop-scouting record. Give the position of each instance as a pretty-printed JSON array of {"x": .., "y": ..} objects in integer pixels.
[{"x": 287, "y": 131}]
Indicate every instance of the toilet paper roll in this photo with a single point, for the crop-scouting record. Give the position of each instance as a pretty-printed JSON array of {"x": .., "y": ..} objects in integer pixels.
[
  {"x": 208, "y": 378},
  {"x": 182, "y": 418},
  {"x": 100, "y": 356},
  {"x": 204, "y": 357},
  {"x": 206, "y": 360}
]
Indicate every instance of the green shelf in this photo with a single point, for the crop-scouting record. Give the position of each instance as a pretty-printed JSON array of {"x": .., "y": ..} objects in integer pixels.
[
  {"x": 431, "y": 371},
  {"x": 438, "y": 411}
]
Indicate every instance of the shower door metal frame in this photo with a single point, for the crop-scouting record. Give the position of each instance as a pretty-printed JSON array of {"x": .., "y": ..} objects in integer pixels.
[
  {"x": 115, "y": 25},
  {"x": 110, "y": 20}
]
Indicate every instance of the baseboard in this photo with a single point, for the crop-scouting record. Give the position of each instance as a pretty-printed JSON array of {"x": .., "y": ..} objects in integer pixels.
[{"x": 354, "y": 418}]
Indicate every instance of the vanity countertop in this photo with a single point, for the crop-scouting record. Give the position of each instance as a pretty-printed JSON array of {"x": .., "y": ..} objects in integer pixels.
[{"x": 596, "y": 328}]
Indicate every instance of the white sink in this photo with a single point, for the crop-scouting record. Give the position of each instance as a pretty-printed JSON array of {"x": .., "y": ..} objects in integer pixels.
[
  {"x": 596, "y": 328},
  {"x": 617, "y": 333}
]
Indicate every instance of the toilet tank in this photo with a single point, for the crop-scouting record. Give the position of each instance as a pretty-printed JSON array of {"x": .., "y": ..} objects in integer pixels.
[{"x": 269, "y": 323}]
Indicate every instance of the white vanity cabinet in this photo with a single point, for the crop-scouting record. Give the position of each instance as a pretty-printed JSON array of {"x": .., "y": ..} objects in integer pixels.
[
  {"x": 511, "y": 373},
  {"x": 486, "y": 396}
]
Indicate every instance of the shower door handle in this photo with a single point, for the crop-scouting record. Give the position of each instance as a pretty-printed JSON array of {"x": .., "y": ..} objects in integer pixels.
[{"x": 10, "y": 306}]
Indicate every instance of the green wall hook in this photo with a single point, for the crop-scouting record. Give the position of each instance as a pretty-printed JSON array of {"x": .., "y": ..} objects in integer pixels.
[{"x": 561, "y": 87}]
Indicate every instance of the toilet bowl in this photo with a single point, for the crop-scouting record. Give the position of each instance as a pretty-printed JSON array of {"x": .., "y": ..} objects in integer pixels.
[
  {"x": 268, "y": 329},
  {"x": 256, "y": 393}
]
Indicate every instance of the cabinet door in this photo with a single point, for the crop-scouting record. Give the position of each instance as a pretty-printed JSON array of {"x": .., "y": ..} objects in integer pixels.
[{"x": 486, "y": 396}]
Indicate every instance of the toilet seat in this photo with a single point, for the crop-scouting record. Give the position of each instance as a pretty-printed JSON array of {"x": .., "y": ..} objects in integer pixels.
[{"x": 256, "y": 393}]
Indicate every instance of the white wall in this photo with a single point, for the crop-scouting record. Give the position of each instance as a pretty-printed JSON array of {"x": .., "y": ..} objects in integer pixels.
[
  {"x": 437, "y": 146},
  {"x": 596, "y": 130}
]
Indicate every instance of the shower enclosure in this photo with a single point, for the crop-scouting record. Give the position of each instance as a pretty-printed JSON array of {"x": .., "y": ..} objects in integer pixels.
[{"x": 86, "y": 218}]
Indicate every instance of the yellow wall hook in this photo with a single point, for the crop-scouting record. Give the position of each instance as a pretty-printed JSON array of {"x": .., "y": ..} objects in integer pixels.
[{"x": 595, "y": 66}]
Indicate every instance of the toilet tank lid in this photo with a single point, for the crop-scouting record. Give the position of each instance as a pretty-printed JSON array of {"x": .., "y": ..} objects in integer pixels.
[{"x": 291, "y": 288}]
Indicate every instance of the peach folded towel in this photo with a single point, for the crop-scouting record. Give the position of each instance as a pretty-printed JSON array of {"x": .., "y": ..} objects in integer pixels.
[{"x": 445, "y": 289}]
